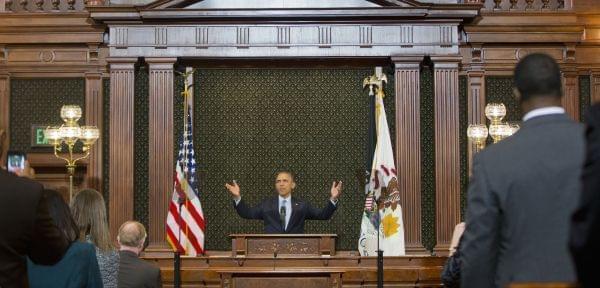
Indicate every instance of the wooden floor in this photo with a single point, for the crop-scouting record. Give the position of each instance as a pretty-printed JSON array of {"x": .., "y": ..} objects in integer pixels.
[{"x": 345, "y": 269}]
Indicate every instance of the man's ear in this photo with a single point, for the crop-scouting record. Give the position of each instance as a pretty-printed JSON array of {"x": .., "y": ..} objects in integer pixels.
[
  {"x": 517, "y": 94},
  {"x": 293, "y": 184}
]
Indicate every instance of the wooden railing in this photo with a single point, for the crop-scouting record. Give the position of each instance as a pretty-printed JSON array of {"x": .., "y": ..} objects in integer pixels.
[
  {"x": 523, "y": 5},
  {"x": 46, "y": 5}
]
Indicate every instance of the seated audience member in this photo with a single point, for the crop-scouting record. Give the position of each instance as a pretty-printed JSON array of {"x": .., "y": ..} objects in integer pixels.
[
  {"x": 89, "y": 212},
  {"x": 524, "y": 189},
  {"x": 585, "y": 229},
  {"x": 133, "y": 271},
  {"x": 78, "y": 268},
  {"x": 26, "y": 229}
]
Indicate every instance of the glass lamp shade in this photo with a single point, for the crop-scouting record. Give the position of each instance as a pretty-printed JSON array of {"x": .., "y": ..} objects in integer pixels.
[
  {"x": 53, "y": 135},
  {"x": 70, "y": 113},
  {"x": 514, "y": 127},
  {"x": 495, "y": 112},
  {"x": 89, "y": 134},
  {"x": 500, "y": 131},
  {"x": 477, "y": 132},
  {"x": 70, "y": 134}
]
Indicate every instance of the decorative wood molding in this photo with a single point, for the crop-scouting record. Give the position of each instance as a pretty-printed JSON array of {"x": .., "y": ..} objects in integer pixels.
[
  {"x": 266, "y": 40},
  {"x": 570, "y": 99},
  {"x": 161, "y": 147},
  {"x": 447, "y": 151},
  {"x": 94, "y": 116},
  {"x": 408, "y": 153},
  {"x": 121, "y": 141}
]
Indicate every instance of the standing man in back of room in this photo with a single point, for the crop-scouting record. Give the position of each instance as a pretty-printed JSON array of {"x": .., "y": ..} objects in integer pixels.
[{"x": 284, "y": 213}]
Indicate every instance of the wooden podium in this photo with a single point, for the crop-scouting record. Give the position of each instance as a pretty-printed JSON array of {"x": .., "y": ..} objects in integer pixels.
[
  {"x": 281, "y": 250},
  {"x": 283, "y": 245}
]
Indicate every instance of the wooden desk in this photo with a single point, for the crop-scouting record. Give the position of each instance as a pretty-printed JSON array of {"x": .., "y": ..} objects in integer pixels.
[{"x": 252, "y": 277}]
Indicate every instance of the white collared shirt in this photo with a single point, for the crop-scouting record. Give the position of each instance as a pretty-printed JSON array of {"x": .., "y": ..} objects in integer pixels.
[
  {"x": 543, "y": 111},
  {"x": 287, "y": 202}
]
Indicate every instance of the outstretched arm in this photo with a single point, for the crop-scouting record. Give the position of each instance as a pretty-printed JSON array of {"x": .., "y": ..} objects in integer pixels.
[{"x": 242, "y": 209}]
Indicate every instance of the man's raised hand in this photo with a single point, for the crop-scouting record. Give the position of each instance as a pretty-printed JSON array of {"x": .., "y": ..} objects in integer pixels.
[
  {"x": 336, "y": 190},
  {"x": 233, "y": 189}
]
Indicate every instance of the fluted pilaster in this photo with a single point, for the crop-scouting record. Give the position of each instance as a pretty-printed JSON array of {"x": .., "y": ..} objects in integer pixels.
[
  {"x": 595, "y": 86},
  {"x": 408, "y": 148},
  {"x": 160, "y": 146},
  {"x": 570, "y": 99},
  {"x": 121, "y": 142},
  {"x": 447, "y": 153},
  {"x": 475, "y": 105},
  {"x": 4, "y": 112},
  {"x": 93, "y": 116}
]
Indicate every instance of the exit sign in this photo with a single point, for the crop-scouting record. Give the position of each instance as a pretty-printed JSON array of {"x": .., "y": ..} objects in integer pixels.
[{"x": 37, "y": 136}]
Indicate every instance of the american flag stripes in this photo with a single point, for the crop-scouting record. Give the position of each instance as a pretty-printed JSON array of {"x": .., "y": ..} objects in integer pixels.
[{"x": 186, "y": 225}]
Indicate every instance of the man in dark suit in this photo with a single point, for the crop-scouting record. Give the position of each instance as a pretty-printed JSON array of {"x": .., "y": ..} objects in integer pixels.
[
  {"x": 26, "y": 229},
  {"x": 524, "y": 189},
  {"x": 133, "y": 271},
  {"x": 585, "y": 229},
  {"x": 284, "y": 213}
]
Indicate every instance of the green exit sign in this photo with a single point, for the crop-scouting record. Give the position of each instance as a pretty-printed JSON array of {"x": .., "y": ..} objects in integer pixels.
[{"x": 37, "y": 136}]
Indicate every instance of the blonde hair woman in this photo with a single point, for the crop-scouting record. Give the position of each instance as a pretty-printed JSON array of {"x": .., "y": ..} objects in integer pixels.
[{"x": 89, "y": 212}]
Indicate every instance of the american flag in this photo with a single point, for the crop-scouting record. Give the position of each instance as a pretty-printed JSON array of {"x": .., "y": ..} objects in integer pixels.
[{"x": 186, "y": 226}]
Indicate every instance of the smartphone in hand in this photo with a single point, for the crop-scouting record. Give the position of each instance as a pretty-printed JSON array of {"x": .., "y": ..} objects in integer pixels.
[{"x": 15, "y": 160}]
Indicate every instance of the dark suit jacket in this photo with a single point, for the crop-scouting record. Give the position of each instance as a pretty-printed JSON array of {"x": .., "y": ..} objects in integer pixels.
[
  {"x": 268, "y": 211},
  {"x": 520, "y": 199},
  {"x": 585, "y": 230},
  {"x": 77, "y": 269},
  {"x": 137, "y": 273},
  {"x": 26, "y": 229}
]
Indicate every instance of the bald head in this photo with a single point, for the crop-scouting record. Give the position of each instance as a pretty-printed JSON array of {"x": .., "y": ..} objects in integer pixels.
[{"x": 132, "y": 234}]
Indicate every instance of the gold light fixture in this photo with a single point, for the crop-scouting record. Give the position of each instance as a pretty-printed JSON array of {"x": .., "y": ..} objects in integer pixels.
[
  {"x": 498, "y": 130},
  {"x": 69, "y": 134}
]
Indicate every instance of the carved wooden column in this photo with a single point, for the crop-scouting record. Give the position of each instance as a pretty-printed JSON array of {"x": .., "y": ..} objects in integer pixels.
[
  {"x": 93, "y": 116},
  {"x": 408, "y": 148},
  {"x": 475, "y": 104},
  {"x": 121, "y": 142},
  {"x": 570, "y": 99},
  {"x": 160, "y": 147},
  {"x": 595, "y": 86},
  {"x": 447, "y": 154},
  {"x": 4, "y": 112}
]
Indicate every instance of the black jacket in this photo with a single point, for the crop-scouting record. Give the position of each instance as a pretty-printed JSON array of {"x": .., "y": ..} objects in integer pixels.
[
  {"x": 137, "y": 273},
  {"x": 585, "y": 229},
  {"x": 268, "y": 211},
  {"x": 26, "y": 229}
]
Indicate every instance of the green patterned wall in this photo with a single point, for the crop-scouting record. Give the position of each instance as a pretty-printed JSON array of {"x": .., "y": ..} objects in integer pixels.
[
  {"x": 38, "y": 101},
  {"x": 584, "y": 96},
  {"x": 427, "y": 158},
  {"x": 499, "y": 89},
  {"x": 140, "y": 124},
  {"x": 251, "y": 122},
  {"x": 463, "y": 143}
]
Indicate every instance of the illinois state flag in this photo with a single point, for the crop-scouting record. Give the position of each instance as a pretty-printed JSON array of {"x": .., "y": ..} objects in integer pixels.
[
  {"x": 382, "y": 208},
  {"x": 185, "y": 219}
]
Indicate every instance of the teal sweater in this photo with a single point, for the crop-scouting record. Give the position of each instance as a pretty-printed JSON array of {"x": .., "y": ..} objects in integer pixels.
[{"x": 77, "y": 269}]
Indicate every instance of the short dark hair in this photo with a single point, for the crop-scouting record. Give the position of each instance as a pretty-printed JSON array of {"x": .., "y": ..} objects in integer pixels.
[
  {"x": 286, "y": 172},
  {"x": 538, "y": 75},
  {"x": 61, "y": 214}
]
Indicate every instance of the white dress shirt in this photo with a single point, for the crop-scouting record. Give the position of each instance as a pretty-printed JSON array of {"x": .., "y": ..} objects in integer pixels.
[{"x": 543, "y": 111}]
